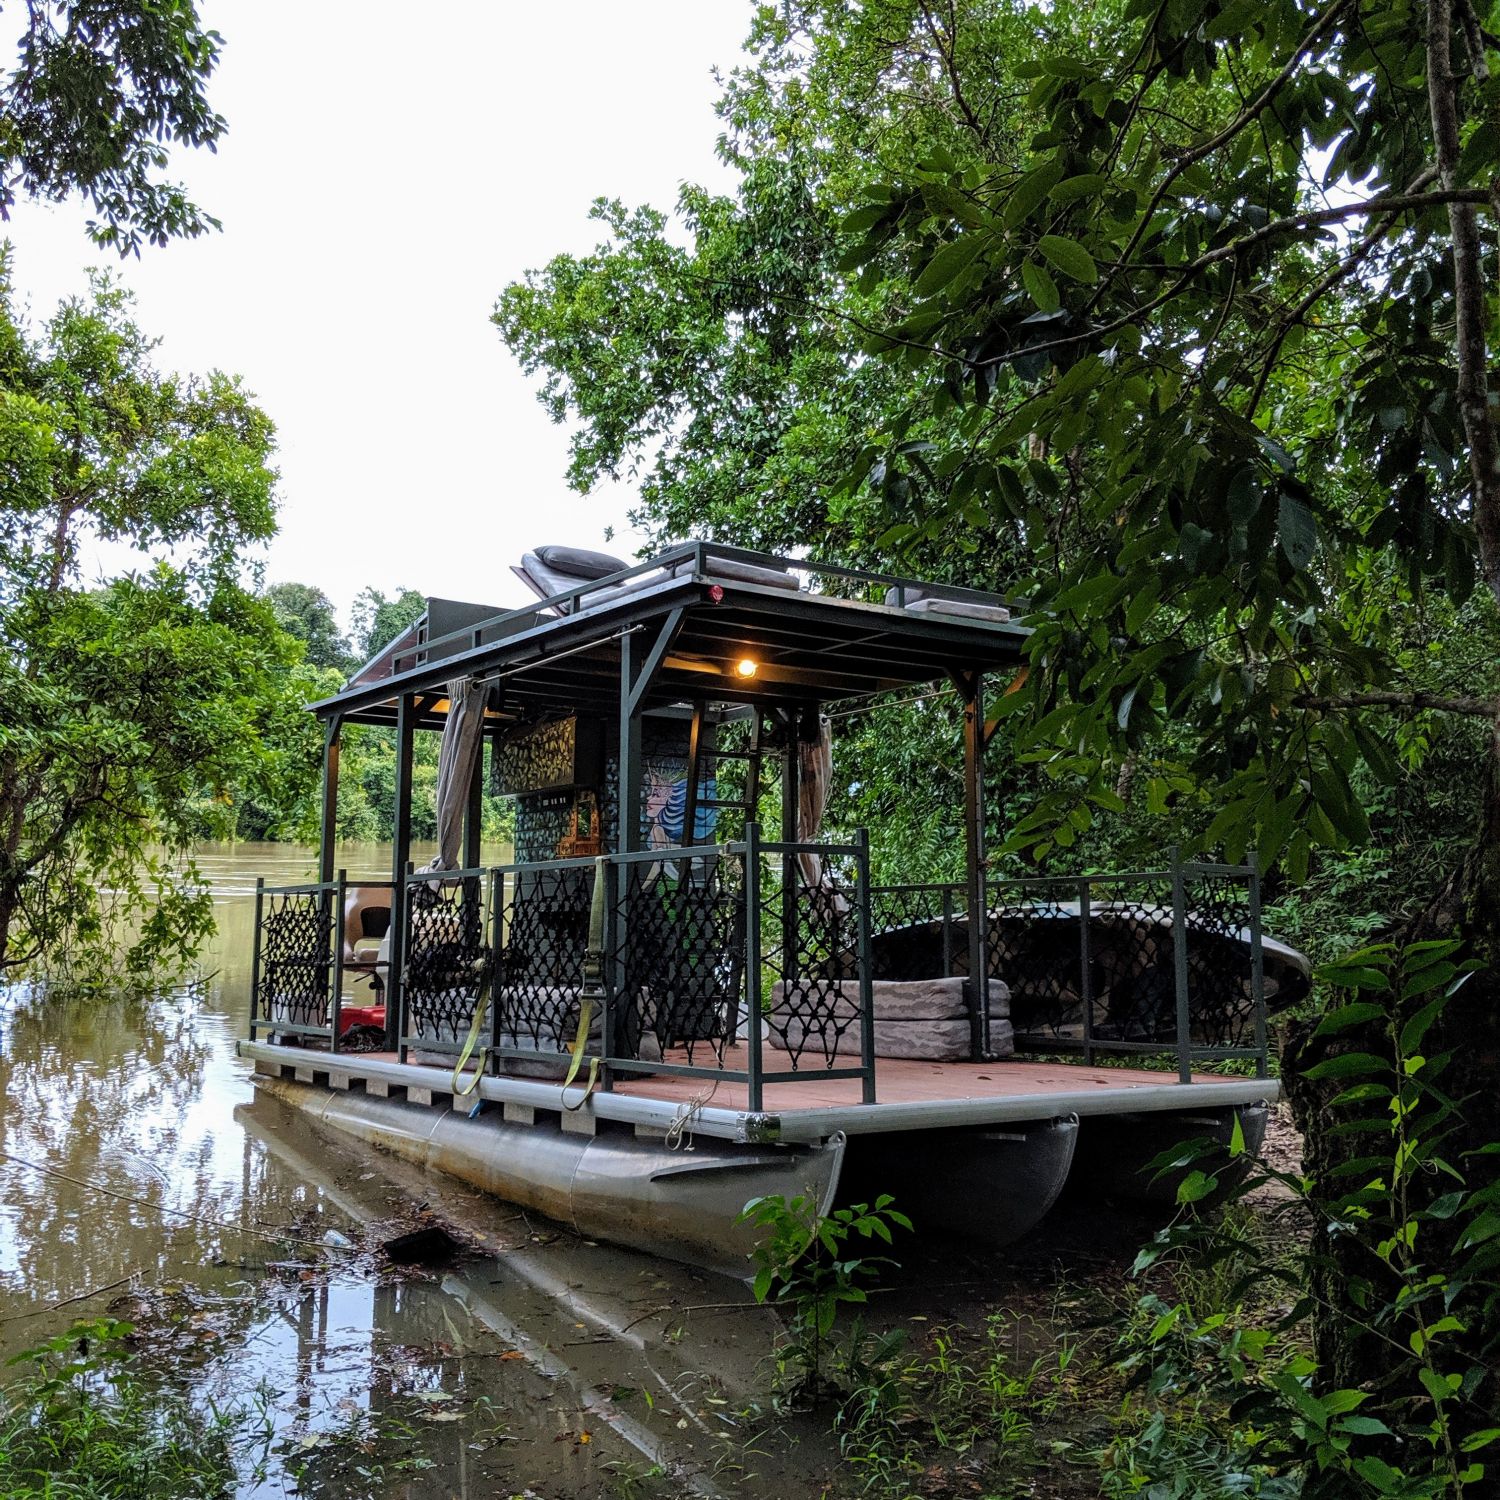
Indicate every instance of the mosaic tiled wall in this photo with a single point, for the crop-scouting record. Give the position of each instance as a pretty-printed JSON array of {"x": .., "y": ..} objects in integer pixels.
[{"x": 543, "y": 821}]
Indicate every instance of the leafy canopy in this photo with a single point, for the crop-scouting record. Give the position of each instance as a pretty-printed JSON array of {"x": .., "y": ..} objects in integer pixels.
[
  {"x": 99, "y": 90},
  {"x": 132, "y": 714}
]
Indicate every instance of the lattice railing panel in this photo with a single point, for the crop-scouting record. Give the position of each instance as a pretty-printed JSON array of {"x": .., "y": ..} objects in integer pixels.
[
  {"x": 916, "y": 931},
  {"x": 539, "y": 967},
  {"x": 446, "y": 956},
  {"x": 810, "y": 963},
  {"x": 1221, "y": 1001},
  {"x": 295, "y": 943},
  {"x": 1123, "y": 960},
  {"x": 679, "y": 933}
]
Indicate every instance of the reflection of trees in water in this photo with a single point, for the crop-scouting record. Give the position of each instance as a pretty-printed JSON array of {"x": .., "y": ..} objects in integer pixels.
[{"x": 135, "y": 1095}]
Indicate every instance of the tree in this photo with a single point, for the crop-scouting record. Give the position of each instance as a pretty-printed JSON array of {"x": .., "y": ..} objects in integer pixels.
[
  {"x": 379, "y": 618},
  {"x": 307, "y": 613},
  {"x": 133, "y": 714},
  {"x": 99, "y": 88},
  {"x": 1185, "y": 320},
  {"x": 1218, "y": 346},
  {"x": 726, "y": 371}
]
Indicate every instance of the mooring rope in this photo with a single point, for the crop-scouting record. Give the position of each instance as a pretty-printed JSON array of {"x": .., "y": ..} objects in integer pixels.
[{"x": 681, "y": 1129}]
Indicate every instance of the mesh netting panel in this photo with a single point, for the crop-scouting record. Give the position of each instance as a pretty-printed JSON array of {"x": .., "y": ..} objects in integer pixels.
[
  {"x": 1032, "y": 940},
  {"x": 679, "y": 930},
  {"x": 540, "y": 971},
  {"x": 809, "y": 960},
  {"x": 447, "y": 957},
  {"x": 296, "y": 956},
  {"x": 915, "y": 930},
  {"x": 1221, "y": 1003},
  {"x": 1035, "y": 945}
]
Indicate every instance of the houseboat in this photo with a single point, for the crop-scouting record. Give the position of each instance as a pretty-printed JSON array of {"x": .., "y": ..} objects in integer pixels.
[{"x": 658, "y": 1010}]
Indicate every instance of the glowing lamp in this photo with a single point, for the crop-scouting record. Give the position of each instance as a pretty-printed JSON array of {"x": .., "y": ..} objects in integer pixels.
[{"x": 746, "y": 667}]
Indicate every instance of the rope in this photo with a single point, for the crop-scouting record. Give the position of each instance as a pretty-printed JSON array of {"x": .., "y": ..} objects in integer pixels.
[{"x": 681, "y": 1129}]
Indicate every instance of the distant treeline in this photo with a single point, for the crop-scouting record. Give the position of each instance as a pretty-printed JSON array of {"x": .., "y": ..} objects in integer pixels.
[{"x": 367, "y": 770}]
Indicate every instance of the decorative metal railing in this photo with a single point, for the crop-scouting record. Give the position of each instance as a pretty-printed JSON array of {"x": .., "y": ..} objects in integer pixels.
[
  {"x": 296, "y": 975},
  {"x": 445, "y": 950},
  {"x": 1166, "y": 962},
  {"x": 757, "y": 962}
]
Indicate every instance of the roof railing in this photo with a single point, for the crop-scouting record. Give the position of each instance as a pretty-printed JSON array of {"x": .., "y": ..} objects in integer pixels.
[{"x": 699, "y": 554}]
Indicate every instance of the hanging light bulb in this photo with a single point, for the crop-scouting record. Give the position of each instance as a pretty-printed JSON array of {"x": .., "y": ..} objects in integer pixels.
[{"x": 746, "y": 666}]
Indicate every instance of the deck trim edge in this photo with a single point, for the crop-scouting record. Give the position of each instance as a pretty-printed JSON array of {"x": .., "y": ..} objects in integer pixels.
[{"x": 793, "y": 1127}]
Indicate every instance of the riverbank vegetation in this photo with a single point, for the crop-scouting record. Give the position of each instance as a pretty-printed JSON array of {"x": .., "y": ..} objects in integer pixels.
[{"x": 81, "y": 1418}]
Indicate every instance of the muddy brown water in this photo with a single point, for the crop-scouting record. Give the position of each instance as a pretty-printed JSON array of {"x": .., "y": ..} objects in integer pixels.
[{"x": 236, "y": 1237}]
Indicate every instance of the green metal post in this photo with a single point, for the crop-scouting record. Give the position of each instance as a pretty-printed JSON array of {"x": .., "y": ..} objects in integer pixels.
[
  {"x": 395, "y": 995},
  {"x": 497, "y": 959},
  {"x": 790, "y": 870},
  {"x": 628, "y": 837},
  {"x": 865, "y": 964},
  {"x": 260, "y": 903},
  {"x": 1180, "y": 963},
  {"x": 1085, "y": 968},
  {"x": 979, "y": 1013},
  {"x": 752, "y": 964},
  {"x": 336, "y": 1000},
  {"x": 328, "y": 830},
  {"x": 1257, "y": 969}
]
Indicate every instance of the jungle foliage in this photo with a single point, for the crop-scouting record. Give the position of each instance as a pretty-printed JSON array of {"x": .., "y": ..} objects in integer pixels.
[
  {"x": 98, "y": 92},
  {"x": 133, "y": 713}
]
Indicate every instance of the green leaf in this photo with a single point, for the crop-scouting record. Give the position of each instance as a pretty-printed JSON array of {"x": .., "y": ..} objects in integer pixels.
[
  {"x": 1040, "y": 286},
  {"x": 1085, "y": 185},
  {"x": 1346, "y": 1016},
  {"x": 1069, "y": 257},
  {"x": 1348, "y": 1065},
  {"x": 1298, "y": 531},
  {"x": 953, "y": 258},
  {"x": 1030, "y": 193}
]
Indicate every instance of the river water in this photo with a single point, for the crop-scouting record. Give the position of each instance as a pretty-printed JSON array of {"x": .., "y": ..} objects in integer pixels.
[{"x": 142, "y": 1176}]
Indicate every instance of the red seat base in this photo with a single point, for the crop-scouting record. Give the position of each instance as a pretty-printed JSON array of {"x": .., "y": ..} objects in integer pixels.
[{"x": 361, "y": 1015}]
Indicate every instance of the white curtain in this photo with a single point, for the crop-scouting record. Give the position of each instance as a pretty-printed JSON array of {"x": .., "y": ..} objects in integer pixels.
[{"x": 458, "y": 762}]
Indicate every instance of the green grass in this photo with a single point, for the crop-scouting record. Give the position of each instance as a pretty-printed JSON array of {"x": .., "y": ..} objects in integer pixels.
[{"x": 81, "y": 1422}]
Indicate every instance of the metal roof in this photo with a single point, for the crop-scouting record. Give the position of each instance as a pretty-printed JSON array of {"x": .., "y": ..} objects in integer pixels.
[{"x": 834, "y": 638}]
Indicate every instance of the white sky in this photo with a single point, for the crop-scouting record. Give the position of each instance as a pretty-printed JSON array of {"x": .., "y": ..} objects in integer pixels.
[{"x": 388, "y": 170}]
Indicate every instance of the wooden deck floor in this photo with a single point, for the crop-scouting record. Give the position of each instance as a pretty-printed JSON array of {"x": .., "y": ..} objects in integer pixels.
[{"x": 900, "y": 1081}]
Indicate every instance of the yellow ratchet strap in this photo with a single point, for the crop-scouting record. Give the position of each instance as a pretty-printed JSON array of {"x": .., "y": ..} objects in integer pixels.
[{"x": 593, "y": 983}]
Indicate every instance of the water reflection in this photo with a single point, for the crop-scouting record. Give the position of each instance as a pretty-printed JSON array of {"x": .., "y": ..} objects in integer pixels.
[{"x": 539, "y": 1360}]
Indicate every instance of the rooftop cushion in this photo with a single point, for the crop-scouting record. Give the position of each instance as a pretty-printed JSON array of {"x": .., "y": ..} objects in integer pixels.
[
  {"x": 578, "y": 562},
  {"x": 920, "y": 602},
  {"x": 740, "y": 572}
]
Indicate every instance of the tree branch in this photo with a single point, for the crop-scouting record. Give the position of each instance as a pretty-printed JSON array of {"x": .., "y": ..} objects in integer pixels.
[
  {"x": 1250, "y": 112},
  {"x": 1476, "y": 708}
]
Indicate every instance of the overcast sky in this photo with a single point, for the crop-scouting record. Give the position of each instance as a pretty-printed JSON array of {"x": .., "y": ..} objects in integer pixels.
[{"x": 388, "y": 169}]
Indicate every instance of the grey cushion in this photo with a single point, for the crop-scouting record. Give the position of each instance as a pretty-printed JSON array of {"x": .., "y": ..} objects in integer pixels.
[
  {"x": 963, "y": 607},
  {"x": 920, "y": 602},
  {"x": 740, "y": 572},
  {"x": 549, "y": 583},
  {"x": 579, "y": 563}
]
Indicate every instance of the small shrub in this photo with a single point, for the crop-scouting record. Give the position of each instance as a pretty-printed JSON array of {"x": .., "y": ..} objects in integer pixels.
[{"x": 802, "y": 1262}]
